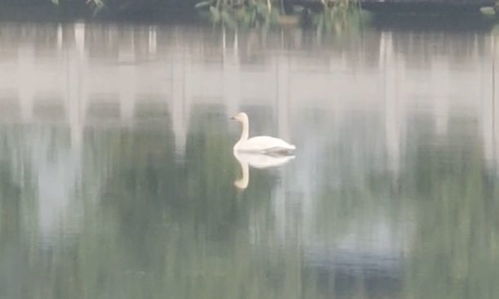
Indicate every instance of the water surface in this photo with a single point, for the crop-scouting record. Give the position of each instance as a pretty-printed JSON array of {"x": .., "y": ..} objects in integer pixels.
[{"x": 117, "y": 173}]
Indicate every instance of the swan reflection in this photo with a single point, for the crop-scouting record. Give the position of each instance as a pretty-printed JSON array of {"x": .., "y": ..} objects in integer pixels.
[{"x": 259, "y": 161}]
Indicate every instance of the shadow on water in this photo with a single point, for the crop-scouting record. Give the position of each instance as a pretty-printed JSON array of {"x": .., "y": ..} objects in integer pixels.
[{"x": 433, "y": 23}]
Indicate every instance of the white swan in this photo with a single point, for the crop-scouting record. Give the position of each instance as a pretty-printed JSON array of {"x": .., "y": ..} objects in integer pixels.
[
  {"x": 256, "y": 161},
  {"x": 259, "y": 144}
]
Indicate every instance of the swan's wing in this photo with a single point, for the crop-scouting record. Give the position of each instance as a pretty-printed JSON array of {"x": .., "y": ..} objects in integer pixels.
[{"x": 267, "y": 144}]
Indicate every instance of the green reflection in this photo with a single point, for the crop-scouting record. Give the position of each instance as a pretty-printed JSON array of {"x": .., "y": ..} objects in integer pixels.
[{"x": 145, "y": 223}]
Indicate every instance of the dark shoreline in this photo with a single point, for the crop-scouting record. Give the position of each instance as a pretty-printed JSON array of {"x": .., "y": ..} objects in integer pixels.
[
  {"x": 162, "y": 14},
  {"x": 52, "y": 13}
]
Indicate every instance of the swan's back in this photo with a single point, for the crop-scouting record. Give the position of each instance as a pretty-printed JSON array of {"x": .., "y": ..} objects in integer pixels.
[{"x": 266, "y": 145}]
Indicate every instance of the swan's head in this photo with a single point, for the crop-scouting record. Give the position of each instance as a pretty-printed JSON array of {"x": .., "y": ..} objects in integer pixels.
[{"x": 240, "y": 117}]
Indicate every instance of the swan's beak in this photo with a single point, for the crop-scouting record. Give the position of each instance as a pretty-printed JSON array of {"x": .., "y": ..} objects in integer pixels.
[{"x": 232, "y": 118}]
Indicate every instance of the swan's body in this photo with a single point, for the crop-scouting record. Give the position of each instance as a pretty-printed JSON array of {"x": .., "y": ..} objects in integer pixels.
[
  {"x": 264, "y": 145},
  {"x": 259, "y": 144}
]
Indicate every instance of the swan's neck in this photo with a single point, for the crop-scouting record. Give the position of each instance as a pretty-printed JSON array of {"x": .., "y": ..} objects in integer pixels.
[
  {"x": 243, "y": 182},
  {"x": 245, "y": 131}
]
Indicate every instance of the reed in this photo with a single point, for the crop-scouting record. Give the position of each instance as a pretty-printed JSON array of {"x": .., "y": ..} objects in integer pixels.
[{"x": 256, "y": 13}]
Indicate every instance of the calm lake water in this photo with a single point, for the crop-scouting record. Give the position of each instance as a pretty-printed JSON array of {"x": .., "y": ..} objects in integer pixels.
[{"x": 117, "y": 176}]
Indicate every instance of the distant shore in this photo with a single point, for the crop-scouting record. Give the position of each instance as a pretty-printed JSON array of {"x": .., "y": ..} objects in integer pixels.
[{"x": 166, "y": 11}]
